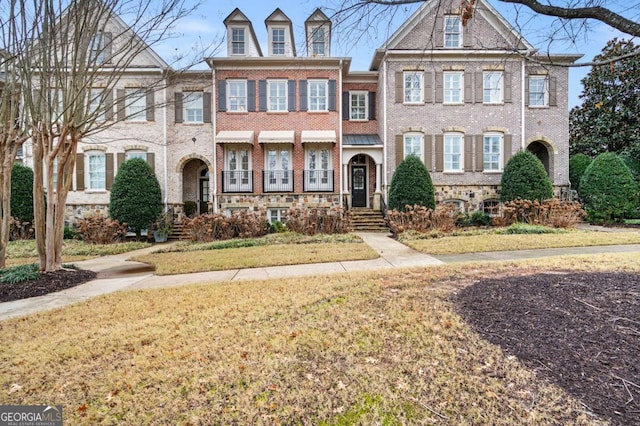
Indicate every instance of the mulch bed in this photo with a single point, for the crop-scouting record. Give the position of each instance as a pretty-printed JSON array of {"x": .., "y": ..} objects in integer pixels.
[
  {"x": 580, "y": 331},
  {"x": 47, "y": 283}
]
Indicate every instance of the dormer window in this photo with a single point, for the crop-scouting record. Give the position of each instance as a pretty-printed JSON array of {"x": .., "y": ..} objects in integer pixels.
[
  {"x": 277, "y": 40},
  {"x": 318, "y": 42},
  {"x": 237, "y": 41},
  {"x": 452, "y": 31}
]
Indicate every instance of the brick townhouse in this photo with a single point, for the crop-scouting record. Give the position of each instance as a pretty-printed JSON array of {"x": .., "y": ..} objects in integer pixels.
[{"x": 288, "y": 124}]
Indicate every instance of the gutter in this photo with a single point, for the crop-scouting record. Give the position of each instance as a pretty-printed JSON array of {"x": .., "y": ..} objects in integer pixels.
[{"x": 214, "y": 109}]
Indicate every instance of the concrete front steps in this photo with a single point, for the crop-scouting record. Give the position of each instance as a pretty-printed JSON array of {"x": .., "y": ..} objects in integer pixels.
[
  {"x": 367, "y": 220},
  {"x": 178, "y": 232}
]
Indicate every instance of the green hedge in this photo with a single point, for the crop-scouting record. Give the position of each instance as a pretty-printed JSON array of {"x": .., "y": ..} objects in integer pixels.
[
  {"x": 524, "y": 177},
  {"x": 411, "y": 185}
]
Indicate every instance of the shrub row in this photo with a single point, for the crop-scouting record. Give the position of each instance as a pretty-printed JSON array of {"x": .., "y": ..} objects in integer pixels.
[
  {"x": 217, "y": 226},
  {"x": 551, "y": 212},
  {"x": 98, "y": 229},
  {"x": 318, "y": 221},
  {"x": 422, "y": 219}
]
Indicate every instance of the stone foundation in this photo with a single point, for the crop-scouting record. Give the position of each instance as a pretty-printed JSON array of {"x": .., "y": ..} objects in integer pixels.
[{"x": 276, "y": 201}]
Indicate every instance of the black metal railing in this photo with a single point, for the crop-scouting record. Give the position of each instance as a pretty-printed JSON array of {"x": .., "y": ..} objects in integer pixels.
[
  {"x": 317, "y": 180},
  {"x": 237, "y": 181},
  {"x": 277, "y": 181}
]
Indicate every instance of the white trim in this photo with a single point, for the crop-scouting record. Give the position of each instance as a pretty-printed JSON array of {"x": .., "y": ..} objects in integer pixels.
[
  {"x": 318, "y": 136},
  {"x": 364, "y": 93},
  {"x": 277, "y": 136},
  {"x": 235, "y": 136}
]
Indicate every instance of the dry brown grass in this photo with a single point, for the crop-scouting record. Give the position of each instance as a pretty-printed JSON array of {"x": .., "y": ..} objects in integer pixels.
[
  {"x": 253, "y": 257},
  {"x": 495, "y": 242},
  {"x": 383, "y": 348}
]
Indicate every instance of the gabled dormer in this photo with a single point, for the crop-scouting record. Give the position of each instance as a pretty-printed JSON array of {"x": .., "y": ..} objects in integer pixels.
[
  {"x": 280, "y": 34},
  {"x": 241, "y": 39},
  {"x": 318, "y": 32}
]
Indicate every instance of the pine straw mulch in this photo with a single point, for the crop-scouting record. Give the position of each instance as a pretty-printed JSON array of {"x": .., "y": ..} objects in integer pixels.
[
  {"x": 581, "y": 331},
  {"x": 47, "y": 283}
]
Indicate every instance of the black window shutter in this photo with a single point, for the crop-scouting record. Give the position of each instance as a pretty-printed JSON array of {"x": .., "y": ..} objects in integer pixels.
[
  {"x": 303, "y": 95},
  {"x": 553, "y": 97},
  {"x": 79, "y": 172},
  {"x": 108, "y": 105},
  {"x": 507, "y": 87},
  {"x": 292, "y": 94},
  {"x": 332, "y": 95},
  {"x": 206, "y": 107},
  {"x": 262, "y": 95},
  {"x": 109, "y": 171},
  {"x": 120, "y": 101},
  {"x": 372, "y": 105},
  {"x": 251, "y": 95},
  {"x": 178, "y": 108},
  {"x": 151, "y": 160},
  {"x": 345, "y": 106},
  {"x": 222, "y": 95}
]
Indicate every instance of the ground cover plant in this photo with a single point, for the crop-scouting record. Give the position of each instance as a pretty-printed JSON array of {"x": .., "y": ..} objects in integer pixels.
[
  {"x": 379, "y": 348},
  {"x": 271, "y": 250}
]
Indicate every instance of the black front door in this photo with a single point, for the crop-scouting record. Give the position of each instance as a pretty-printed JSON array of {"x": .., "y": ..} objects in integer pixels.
[
  {"x": 204, "y": 194},
  {"x": 359, "y": 186}
]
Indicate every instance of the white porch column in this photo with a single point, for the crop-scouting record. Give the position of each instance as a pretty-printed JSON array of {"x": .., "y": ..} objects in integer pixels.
[
  {"x": 378, "y": 177},
  {"x": 345, "y": 183}
]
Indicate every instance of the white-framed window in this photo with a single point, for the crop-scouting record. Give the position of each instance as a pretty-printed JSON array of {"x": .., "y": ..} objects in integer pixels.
[
  {"x": 318, "y": 174},
  {"x": 135, "y": 153},
  {"x": 96, "y": 173},
  {"x": 491, "y": 207},
  {"x": 237, "y": 41},
  {"x": 318, "y": 90},
  {"x": 277, "y": 95},
  {"x": 276, "y": 215},
  {"x": 413, "y": 87},
  {"x": 457, "y": 204},
  {"x": 452, "y": 31},
  {"x": 453, "y": 152},
  {"x": 135, "y": 105},
  {"x": 237, "y": 95},
  {"x": 96, "y": 49},
  {"x": 452, "y": 83},
  {"x": 237, "y": 167},
  {"x": 492, "y": 152},
  {"x": 493, "y": 83},
  {"x": 278, "y": 173},
  {"x": 277, "y": 41},
  {"x": 96, "y": 104},
  {"x": 318, "y": 42},
  {"x": 358, "y": 106},
  {"x": 538, "y": 91},
  {"x": 192, "y": 104},
  {"x": 414, "y": 145}
]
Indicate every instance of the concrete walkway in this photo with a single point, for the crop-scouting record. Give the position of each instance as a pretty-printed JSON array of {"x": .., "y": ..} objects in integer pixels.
[{"x": 117, "y": 273}]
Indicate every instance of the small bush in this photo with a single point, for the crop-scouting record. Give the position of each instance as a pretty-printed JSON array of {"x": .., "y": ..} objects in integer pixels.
[
  {"x": 411, "y": 185},
  {"x": 71, "y": 233},
  {"x": 20, "y": 230},
  {"x": 98, "y": 229},
  {"x": 525, "y": 228},
  {"x": 18, "y": 274},
  {"x": 217, "y": 226},
  {"x": 479, "y": 218},
  {"x": 334, "y": 220},
  {"x": 578, "y": 163},
  {"x": 190, "y": 208},
  {"x": 524, "y": 177},
  {"x": 277, "y": 226},
  {"x": 552, "y": 212},
  {"x": 22, "y": 193},
  {"x": 421, "y": 219},
  {"x": 608, "y": 189}
]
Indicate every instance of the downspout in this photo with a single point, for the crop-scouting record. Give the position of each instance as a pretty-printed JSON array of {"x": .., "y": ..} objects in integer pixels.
[
  {"x": 214, "y": 108},
  {"x": 523, "y": 105},
  {"x": 384, "y": 127},
  {"x": 340, "y": 112},
  {"x": 164, "y": 145}
]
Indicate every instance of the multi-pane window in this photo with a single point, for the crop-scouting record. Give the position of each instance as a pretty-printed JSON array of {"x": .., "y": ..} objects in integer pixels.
[
  {"x": 96, "y": 104},
  {"x": 318, "y": 166},
  {"x": 492, "y": 87},
  {"x": 278, "y": 176},
  {"x": 237, "y": 41},
  {"x": 237, "y": 169},
  {"x": 538, "y": 91},
  {"x": 317, "y": 42},
  {"x": 452, "y": 31},
  {"x": 318, "y": 95},
  {"x": 136, "y": 105},
  {"x": 413, "y": 87},
  {"x": 413, "y": 145},
  {"x": 96, "y": 170},
  {"x": 358, "y": 106},
  {"x": 492, "y": 155},
  {"x": 277, "y": 90},
  {"x": 453, "y": 151},
  {"x": 96, "y": 49},
  {"x": 237, "y": 95},
  {"x": 453, "y": 87},
  {"x": 134, "y": 153},
  {"x": 193, "y": 107},
  {"x": 277, "y": 41},
  {"x": 276, "y": 215}
]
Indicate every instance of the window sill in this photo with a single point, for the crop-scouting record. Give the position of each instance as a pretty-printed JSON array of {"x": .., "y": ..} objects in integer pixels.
[
  {"x": 453, "y": 172},
  {"x": 94, "y": 191},
  {"x": 237, "y": 112},
  {"x": 192, "y": 123},
  {"x": 493, "y": 103},
  {"x": 278, "y": 112},
  {"x": 453, "y": 103},
  {"x": 413, "y": 103},
  {"x": 351, "y": 120},
  {"x": 319, "y": 112},
  {"x": 492, "y": 172},
  {"x": 137, "y": 121},
  {"x": 538, "y": 106}
]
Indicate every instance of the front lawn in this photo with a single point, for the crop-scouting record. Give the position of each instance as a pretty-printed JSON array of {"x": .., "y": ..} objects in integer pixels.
[
  {"x": 491, "y": 241},
  {"x": 379, "y": 348},
  {"x": 270, "y": 250}
]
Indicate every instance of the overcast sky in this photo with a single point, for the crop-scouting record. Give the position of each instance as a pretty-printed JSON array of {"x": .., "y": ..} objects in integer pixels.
[{"x": 205, "y": 27}]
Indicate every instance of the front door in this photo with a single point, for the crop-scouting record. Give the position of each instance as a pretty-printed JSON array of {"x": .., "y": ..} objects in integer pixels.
[
  {"x": 204, "y": 192},
  {"x": 359, "y": 186}
]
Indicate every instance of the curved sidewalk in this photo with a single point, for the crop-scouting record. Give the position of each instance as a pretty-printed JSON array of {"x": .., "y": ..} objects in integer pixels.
[{"x": 116, "y": 273}]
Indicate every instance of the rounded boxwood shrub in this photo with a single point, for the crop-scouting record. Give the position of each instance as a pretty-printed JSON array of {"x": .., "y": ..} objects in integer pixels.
[
  {"x": 578, "y": 163},
  {"x": 524, "y": 177},
  {"x": 411, "y": 184},
  {"x": 22, "y": 193},
  {"x": 136, "y": 198},
  {"x": 608, "y": 190}
]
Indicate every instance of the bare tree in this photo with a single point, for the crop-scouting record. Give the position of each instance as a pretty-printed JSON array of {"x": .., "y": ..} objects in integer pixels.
[
  {"x": 69, "y": 70},
  {"x": 572, "y": 17}
]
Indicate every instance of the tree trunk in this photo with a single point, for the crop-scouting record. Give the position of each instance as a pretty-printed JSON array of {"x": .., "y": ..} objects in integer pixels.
[
  {"x": 39, "y": 208},
  {"x": 5, "y": 206}
]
